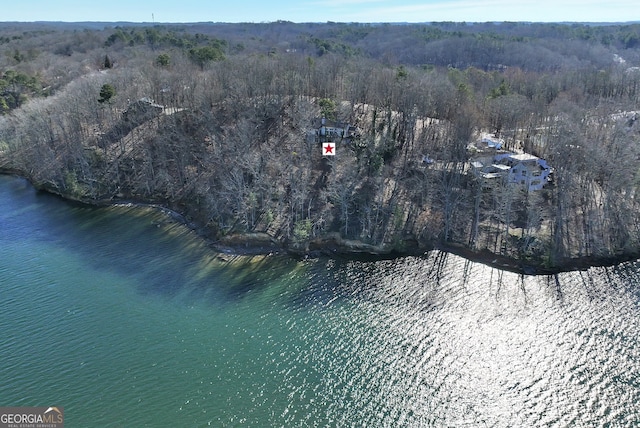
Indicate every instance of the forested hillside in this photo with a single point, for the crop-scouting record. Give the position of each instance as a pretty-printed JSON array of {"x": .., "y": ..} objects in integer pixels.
[{"x": 220, "y": 122}]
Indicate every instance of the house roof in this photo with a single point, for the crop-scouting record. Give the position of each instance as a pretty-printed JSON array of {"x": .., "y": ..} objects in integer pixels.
[
  {"x": 490, "y": 175},
  {"x": 501, "y": 167},
  {"x": 523, "y": 157}
]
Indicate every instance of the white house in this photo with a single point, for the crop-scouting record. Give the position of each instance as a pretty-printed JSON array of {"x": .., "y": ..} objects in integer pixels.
[{"x": 525, "y": 169}]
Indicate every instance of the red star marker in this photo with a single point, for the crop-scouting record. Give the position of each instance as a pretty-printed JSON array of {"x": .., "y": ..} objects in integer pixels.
[{"x": 328, "y": 149}]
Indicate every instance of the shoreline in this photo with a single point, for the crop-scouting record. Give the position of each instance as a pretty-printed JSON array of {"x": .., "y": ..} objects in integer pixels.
[{"x": 333, "y": 245}]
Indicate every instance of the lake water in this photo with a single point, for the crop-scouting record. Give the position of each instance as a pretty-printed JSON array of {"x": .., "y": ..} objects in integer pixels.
[{"x": 126, "y": 319}]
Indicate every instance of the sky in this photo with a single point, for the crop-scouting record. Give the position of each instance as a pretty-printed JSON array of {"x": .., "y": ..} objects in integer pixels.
[{"x": 321, "y": 10}]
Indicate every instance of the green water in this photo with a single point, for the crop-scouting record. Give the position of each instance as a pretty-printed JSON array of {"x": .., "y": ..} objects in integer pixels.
[{"x": 125, "y": 318}]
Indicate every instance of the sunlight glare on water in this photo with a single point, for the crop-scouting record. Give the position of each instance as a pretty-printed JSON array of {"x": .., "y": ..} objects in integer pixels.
[{"x": 496, "y": 348}]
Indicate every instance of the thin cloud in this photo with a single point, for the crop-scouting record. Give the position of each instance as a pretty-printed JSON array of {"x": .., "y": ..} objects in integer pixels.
[
  {"x": 341, "y": 3},
  {"x": 499, "y": 10}
]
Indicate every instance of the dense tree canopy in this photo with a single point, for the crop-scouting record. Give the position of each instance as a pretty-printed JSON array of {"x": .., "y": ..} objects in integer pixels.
[{"x": 220, "y": 121}]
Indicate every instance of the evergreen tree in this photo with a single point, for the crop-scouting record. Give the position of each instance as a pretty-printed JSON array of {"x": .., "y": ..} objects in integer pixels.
[
  {"x": 106, "y": 93},
  {"x": 163, "y": 60}
]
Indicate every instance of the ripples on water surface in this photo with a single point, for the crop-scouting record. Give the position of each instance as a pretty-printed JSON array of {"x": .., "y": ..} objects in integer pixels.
[{"x": 126, "y": 319}]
